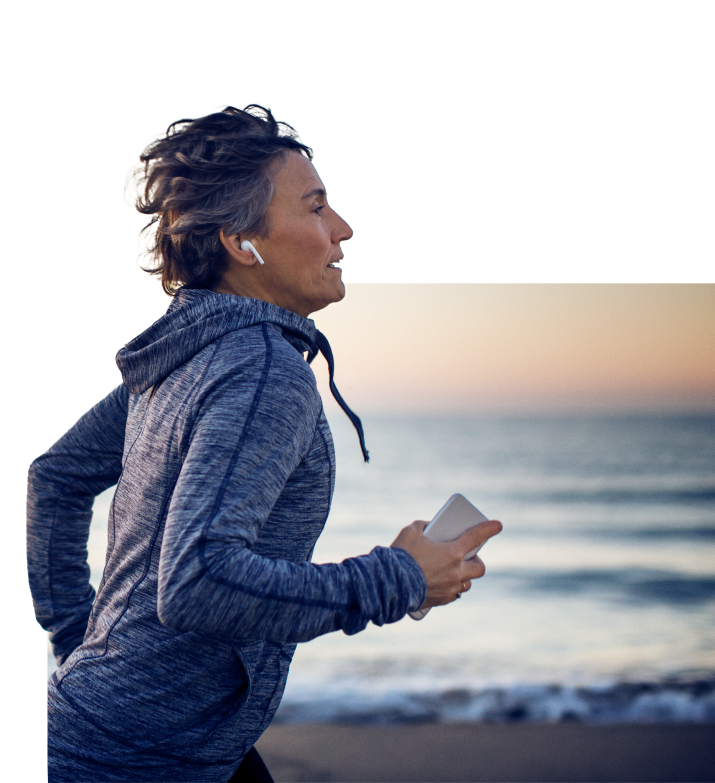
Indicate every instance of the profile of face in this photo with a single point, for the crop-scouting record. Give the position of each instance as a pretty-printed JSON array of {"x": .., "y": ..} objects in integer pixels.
[{"x": 302, "y": 249}]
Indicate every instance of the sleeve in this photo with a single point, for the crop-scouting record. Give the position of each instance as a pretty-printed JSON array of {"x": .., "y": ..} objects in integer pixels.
[
  {"x": 209, "y": 579},
  {"x": 62, "y": 485}
]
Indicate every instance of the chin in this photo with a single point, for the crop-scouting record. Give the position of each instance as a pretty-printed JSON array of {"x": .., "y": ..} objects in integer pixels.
[{"x": 337, "y": 295}]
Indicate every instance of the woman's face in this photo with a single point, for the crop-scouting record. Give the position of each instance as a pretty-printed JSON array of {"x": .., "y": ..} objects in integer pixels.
[{"x": 303, "y": 243}]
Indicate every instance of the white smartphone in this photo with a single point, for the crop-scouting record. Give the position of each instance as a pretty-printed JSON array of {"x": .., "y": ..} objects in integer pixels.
[{"x": 455, "y": 516}]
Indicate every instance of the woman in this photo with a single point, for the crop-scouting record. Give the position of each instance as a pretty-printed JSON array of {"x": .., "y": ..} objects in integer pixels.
[{"x": 224, "y": 467}]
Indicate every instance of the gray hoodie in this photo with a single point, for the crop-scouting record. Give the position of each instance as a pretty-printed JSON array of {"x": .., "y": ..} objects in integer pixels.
[{"x": 225, "y": 469}]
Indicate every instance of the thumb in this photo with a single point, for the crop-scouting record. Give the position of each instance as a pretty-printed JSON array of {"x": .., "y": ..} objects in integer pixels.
[{"x": 477, "y": 535}]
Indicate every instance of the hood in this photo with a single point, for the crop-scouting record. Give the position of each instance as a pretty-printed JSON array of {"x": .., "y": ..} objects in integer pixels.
[{"x": 195, "y": 318}]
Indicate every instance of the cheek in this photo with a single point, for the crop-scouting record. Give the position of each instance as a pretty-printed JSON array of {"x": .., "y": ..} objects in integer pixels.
[
  {"x": 321, "y": 243},
  {"x": 316, "y": 250},
  {"x": 305, "y": 250}
]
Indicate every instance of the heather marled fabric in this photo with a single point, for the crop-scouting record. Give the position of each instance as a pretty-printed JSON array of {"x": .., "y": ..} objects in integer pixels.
[{"x": 224, "y": 468}]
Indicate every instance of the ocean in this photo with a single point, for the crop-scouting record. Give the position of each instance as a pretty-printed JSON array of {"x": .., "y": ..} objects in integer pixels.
[{"x": 598, "y": 604}]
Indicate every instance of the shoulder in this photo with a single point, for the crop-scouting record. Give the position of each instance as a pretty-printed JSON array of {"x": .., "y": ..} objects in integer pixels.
[
  {"x": 260, "y": 358},
  {"x": 261, "y": 346}
]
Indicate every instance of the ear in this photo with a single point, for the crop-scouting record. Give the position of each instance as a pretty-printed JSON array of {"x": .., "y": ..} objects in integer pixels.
[{"x": 232, "y": 243}]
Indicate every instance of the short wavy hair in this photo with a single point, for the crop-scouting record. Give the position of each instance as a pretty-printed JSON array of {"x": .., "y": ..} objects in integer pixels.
[{"x": 205, "y": 175}]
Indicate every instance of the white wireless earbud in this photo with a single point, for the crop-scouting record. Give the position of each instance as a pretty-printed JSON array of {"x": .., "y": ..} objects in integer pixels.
[{"x": 246, "y": 245}]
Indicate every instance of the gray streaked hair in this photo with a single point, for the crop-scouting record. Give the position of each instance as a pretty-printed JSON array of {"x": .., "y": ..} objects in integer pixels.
[{"x": 205, "y": 175}]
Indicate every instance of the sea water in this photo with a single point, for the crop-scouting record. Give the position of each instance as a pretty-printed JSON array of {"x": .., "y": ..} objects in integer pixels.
[{"x": 599, "y": 599}]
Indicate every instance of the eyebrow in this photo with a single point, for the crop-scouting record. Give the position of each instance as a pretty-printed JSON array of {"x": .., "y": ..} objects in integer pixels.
[{"x": 315, "y": 192}]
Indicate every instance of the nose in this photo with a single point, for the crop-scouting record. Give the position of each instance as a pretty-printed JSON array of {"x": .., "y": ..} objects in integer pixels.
[{"x": 341, "y": 231}]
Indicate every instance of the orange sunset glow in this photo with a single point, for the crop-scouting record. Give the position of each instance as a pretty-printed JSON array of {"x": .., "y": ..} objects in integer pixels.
[{"x": 523, "y": 347}]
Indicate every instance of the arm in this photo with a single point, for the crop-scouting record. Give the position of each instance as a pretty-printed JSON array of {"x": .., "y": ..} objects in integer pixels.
[
  {"x": 62, "y": 485},
  {"x": 244, "y": 445}
]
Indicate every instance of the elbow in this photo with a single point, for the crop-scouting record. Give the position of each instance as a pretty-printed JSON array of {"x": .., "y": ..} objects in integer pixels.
[
  {"x": 166, "y": 611},
  {"x": 174, "y": 604},
  {"x": 197, "y": 594},
  {"x": 186, "y": 603}
]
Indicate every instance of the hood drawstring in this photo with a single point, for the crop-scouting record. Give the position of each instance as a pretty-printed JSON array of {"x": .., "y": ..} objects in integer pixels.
[{"x": 321, "y": 343}]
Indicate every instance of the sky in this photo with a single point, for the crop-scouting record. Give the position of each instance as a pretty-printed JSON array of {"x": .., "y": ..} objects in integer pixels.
[{"x": 550, "y": 348}]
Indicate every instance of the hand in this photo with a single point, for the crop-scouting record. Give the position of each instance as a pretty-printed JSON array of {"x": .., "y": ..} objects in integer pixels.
[{"x": 447, "y": 573}]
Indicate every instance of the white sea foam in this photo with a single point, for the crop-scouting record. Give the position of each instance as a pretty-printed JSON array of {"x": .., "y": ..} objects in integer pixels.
[{"x": 681, "y": 702}]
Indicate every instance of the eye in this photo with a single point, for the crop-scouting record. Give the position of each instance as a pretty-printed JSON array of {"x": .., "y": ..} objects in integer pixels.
[{"x": 317, "y": 209}]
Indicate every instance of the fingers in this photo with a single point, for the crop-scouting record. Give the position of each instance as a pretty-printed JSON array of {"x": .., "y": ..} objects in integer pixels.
[
  {"x": 473, "y": 568},
  {"x": 448, "y": 594}
]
